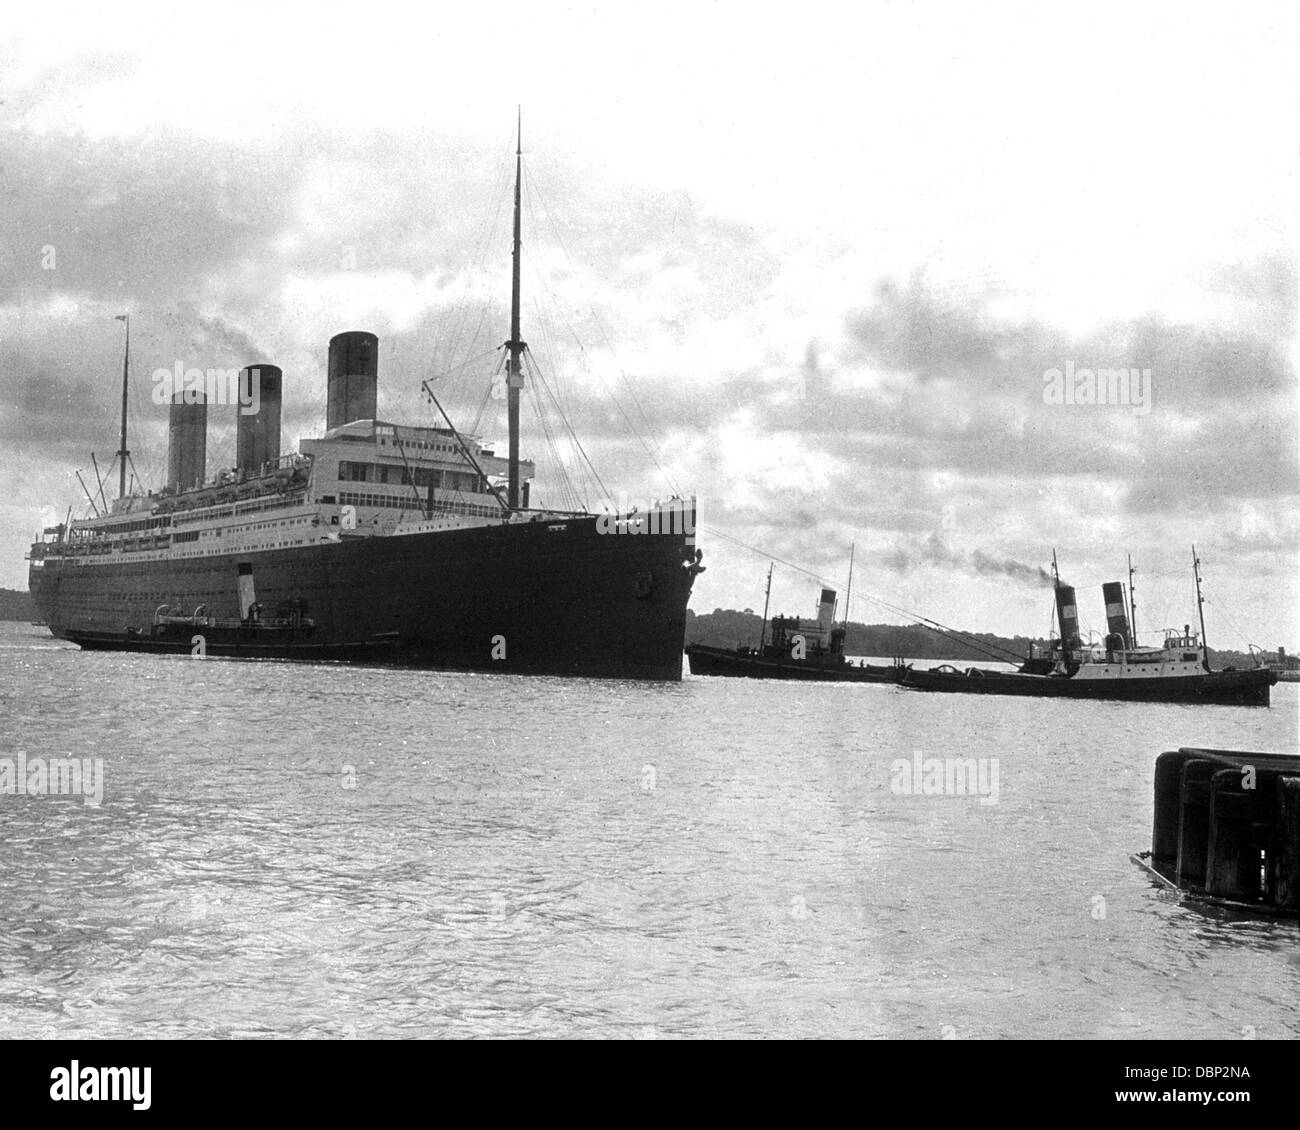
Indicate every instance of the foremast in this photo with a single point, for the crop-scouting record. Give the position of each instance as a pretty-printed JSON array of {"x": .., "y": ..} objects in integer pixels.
[
  {"x": 1200, "y": 608},
  {"x": 762, "y": 635},
  {"x": 848, "y": 595},
  {"x": 516, "y": 345},
  {"x": 123, "y": 453}
]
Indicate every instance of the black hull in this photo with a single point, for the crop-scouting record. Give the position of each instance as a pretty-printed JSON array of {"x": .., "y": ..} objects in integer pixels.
[
  {"x": 246, "y": 643},
  {"x": 1216, "y": 688},
  {"x": 558, "y": 598},
  {"x": 705, "y": 660}
]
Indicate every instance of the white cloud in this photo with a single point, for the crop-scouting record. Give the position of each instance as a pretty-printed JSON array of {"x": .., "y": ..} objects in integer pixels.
[{"x": 738, "y": 182}]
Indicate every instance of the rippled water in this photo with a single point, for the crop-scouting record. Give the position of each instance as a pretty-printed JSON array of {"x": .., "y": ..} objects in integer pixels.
[{"x": 312, "y": 850}]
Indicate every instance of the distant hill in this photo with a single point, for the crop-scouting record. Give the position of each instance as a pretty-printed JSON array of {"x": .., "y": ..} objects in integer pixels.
[
  {"x": 16, "y": 605},
  {"x": 724, "y": 627}
]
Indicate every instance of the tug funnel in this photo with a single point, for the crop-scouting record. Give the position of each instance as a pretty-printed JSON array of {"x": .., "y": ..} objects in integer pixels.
[
  {"x": 826, "y": 610},
  {"x": 1117, "y": 626},
  {"x": 1067, "y": 616}
]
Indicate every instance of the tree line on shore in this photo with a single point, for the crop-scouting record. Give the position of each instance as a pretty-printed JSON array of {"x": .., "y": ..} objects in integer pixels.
[{"x": 17, "y": 605}]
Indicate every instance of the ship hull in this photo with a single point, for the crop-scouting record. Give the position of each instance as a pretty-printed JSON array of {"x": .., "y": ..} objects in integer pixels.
[
  {"x": 706, "y": 660},
  {"x": 560, "y": 597},
  {"x": 242, "y": 643},
  {"x": 1220, "y": 688}
]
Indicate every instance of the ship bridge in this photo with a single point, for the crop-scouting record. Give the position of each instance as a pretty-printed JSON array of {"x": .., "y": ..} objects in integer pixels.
[{"x": 380, "y": 468}]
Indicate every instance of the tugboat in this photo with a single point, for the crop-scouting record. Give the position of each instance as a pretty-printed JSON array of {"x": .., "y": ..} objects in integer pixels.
[
  {"x": 798, "y": 649},
  {"x": 287, "y": 635},
  {"x": 1177, "y": 671}
]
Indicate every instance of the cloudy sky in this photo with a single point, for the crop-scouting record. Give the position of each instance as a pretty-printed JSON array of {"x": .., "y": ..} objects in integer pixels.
[{"x": 815, "y": 265}]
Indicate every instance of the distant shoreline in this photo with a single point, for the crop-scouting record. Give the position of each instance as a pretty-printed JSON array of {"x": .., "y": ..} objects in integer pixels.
[
  {"x": 17, "y": 605},
  {"x": 725, "y": 627}
]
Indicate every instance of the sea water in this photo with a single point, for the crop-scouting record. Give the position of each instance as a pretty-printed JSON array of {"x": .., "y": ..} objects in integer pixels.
[{"x": 316, "y": 850}]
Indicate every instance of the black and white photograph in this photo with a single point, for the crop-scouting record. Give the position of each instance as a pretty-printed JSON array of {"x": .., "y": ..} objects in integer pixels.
[{"x": 704, "y": 521}]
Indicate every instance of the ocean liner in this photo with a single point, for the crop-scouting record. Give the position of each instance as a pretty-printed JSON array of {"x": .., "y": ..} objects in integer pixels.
[{"x": 377, "y": 542}]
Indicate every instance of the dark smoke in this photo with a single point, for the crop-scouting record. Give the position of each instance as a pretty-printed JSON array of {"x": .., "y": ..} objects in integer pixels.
[
  {"x": 243, "y": 349},
  {"x": 935, "y": 551},
  {"x": 1006, "y": 567}
]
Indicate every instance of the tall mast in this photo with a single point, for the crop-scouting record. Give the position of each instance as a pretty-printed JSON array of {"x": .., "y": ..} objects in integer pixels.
[
  {"x": 848, "y": 593},
  {"x": 1200, "y": 602},
  {"x": 1132, "y": 604},
  {"x": 1056, "y": 607},
  {"x": 762, "y": 635},
  {"x": 122, "y": 452},
  {"x": 514, "y": 376}
]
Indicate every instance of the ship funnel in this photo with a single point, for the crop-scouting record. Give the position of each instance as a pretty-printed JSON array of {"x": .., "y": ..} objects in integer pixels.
[
  {"x": 353, "y": 378},
  {"x": 826, "y": 610},
  {"x": 187, "y": 440},
  {"x": 1112, "y": 593},
  {"x": 1067, "y": 616},
  {"x": 257, "y": 434}
]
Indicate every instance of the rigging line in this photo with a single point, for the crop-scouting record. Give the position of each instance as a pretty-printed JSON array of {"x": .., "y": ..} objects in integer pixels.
[
  {"x": 484, "y": 309},
  {"x": 554, "y": 392},
  {"x": 769, "y": 556},
  {"x": 992, "y": 650},
  {"x": 654, "y": 454},
  {"x": 134, "y": 474},
  {"x": 138, "y": 430},
  {"x": 631, "y": 391},
  {"x": 410, "y": 478},
  {"x": 551, "y": 386},
  {"x": 572, "y": 495},
  {"x": 629, "y": 424},
  {"x": 544, "y": 312},
  {"x": 572, "y": 434},
  {"x": 1231, "y": 619},
  {"x": 539, "y": 382},
  {"x": 563, "y": 475},
  {"x": 487, "y": 395},
  {"x": 632, "y": 429},
  {"x": 459, "y": 370},
  {"x": 478, "y": 261},
  {"x": 925, "y": 621},
  {"x": 464, "y": 448},
  {"x": 550, "y": 346}
]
